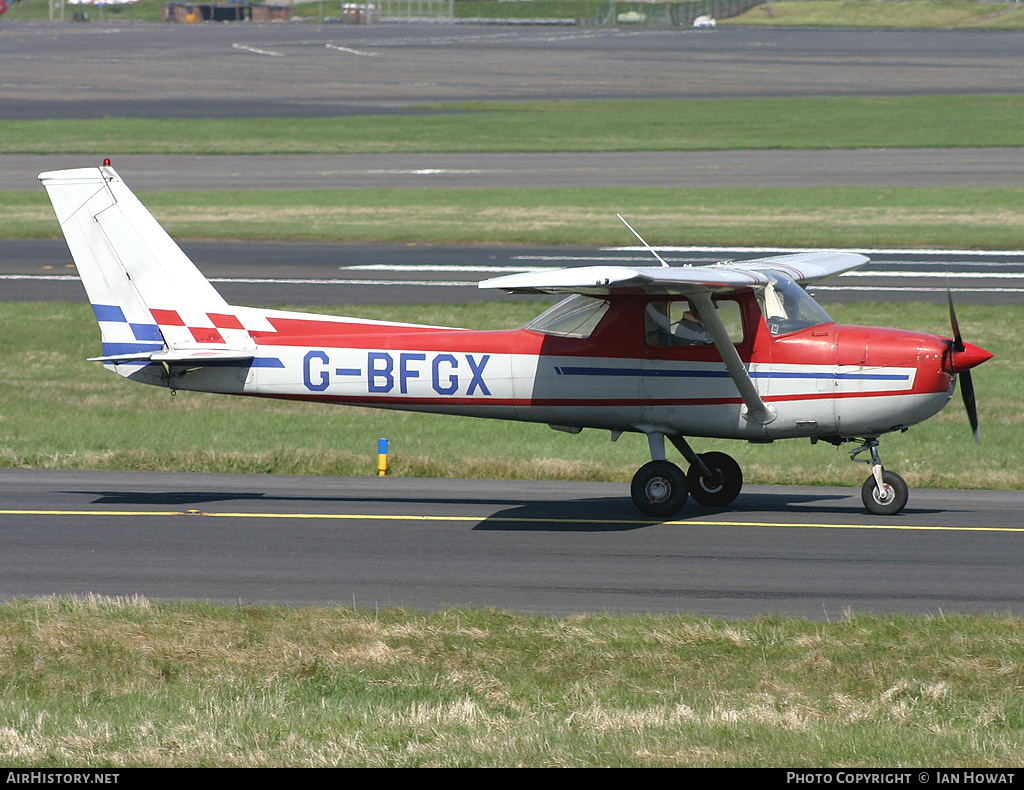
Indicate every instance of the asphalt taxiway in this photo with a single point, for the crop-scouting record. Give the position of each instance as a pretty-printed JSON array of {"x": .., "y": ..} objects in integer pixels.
[
  {"x": 549, "y": 547},
  {"x": 909, "y": 167},
  {"x": 106, "y": 69},
  {"x": 313, "y": 274}
]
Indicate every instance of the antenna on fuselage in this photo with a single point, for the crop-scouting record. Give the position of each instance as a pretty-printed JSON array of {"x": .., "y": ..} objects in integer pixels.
[{"x": 648, "y": 246}]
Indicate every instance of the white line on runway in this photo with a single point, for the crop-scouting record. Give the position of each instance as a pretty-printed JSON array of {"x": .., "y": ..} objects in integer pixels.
[
  {"x": 604, "y": 258},
  {"x": 787, "y": 250},
  {"x": 258, "y": 281},
  {"x": 247, "y": 48},
  {"x": 947, "y": 275},
  {"x": 409, "y": 267},
  {"x": 474, "y": 283},
  {"x": 913, "y": 288},
  {"x": 413, "y": 267},
  {"x": 351, "y": 51},
  {"x": 426, "y": 171}
]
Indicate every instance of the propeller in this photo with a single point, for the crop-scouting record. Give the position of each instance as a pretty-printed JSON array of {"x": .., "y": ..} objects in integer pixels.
[{"x": 962, "y": 358}]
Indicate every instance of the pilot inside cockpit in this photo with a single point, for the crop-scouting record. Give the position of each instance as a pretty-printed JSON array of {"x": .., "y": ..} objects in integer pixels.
[{"x": 675, "y": 324}]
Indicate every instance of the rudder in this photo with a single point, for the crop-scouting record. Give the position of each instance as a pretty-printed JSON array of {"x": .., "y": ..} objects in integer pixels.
[{"x": 146, "y": 293}]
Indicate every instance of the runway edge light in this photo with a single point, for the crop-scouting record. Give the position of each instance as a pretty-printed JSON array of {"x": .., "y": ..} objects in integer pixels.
[{"x": 382, "y": 457}]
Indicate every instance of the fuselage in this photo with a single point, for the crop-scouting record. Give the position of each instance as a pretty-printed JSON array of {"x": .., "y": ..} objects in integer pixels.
[{"x": 825, "y": 380}]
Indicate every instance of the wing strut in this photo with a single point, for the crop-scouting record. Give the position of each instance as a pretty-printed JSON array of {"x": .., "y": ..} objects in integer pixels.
[{"x": 757, "y": 410}]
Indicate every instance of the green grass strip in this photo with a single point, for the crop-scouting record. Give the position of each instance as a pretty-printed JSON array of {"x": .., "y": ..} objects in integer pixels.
[
  {"x": 975, "y": 218},
  {"x": 906, "y": 14},
  {"x": 651, "y": 125}
]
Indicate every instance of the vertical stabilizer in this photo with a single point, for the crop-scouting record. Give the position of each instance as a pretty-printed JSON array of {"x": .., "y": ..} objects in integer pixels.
[{"x": 147, "y": 295}]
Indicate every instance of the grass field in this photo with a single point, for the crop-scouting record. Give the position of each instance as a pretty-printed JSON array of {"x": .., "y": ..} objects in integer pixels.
[
  {"x": 871, "y": 217},
  {"x": 610, "y": 125},
  {"x": 120, "y": 683},
  {"x": 919, "y": 14}
]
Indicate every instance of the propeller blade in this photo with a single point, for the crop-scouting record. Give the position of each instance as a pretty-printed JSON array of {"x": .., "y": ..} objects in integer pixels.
[
  {"x": 958, "y": 341},
  {"x": 966, "y": 382},
  {"x": 967, "y": 391}
]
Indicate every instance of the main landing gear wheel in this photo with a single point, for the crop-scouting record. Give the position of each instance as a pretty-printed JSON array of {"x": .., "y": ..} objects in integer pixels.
[
  {"x": 723, "y": 486},
  {"x": 888, "y": 501},
  {"x": 659, "y": 489}
]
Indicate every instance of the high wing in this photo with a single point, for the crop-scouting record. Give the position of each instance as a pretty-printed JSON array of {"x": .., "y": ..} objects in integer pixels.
[
  {"x": 679, "y": 280},
  {"x": 698, "y": 283}
]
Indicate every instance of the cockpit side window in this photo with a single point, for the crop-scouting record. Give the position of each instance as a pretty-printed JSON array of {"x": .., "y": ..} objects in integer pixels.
[
  {"x": 577, "y": 316},
  {"x": 789, "y": 308},
  {"x": 677, "y": 323}
]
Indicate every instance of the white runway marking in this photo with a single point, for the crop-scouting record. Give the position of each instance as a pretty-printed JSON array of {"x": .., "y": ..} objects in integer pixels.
[
  {"x": 247, "y": 48},
  {"x": 411, "y": 267},
  {"x": 351, "y": 51}
]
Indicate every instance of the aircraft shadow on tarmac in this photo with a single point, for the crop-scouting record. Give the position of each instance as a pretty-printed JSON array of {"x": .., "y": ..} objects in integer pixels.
[
  {"x": 616, "y": 514},
  {"x": 595, "y": 514},
  {"x": 165, "y": 497}
]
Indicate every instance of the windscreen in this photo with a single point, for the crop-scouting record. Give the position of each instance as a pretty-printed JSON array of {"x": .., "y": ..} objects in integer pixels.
[{"x": 789, "y": 308}]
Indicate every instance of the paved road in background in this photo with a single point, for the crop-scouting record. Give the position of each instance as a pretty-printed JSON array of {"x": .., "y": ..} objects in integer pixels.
[
  {"x": 296, "y": 70},
  {"x": 555, "y": 548},
  {"x": 914, "y": 167}
]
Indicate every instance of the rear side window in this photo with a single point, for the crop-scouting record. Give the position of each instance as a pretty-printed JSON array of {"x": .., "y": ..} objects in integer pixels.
[{"x": 577, "y": 316}]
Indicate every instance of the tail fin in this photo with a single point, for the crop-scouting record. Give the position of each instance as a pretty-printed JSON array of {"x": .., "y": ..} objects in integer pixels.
[{"x": 151, "y": 302}]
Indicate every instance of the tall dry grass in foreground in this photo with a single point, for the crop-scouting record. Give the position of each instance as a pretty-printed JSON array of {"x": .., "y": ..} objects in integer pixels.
[{"x": 110, "y": 682}]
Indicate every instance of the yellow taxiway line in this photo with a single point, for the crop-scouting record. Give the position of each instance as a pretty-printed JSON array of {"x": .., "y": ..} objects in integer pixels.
[{"x": 504, "y": 519}]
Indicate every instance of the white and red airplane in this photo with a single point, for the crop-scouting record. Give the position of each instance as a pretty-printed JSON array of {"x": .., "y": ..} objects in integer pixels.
[{"x": 734, "y": 350}]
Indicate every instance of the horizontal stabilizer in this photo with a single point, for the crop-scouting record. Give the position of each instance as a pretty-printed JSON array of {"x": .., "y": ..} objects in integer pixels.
[{"x": 190, "y": 356}]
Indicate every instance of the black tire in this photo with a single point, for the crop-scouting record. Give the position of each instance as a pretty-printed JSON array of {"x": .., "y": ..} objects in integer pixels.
[
  {"x": 723, "y": 488},
  {"x": 659, "y": 489},
  {"x": 889, "y": 503}
]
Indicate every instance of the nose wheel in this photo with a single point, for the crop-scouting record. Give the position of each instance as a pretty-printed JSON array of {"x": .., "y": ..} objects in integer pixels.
[
  {"x": 886, "y": 498},
  {"x": 884, "y": 493}
]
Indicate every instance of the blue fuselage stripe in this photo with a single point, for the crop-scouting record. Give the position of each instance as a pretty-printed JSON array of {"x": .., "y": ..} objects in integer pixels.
[{"x": 717, "y": 374}]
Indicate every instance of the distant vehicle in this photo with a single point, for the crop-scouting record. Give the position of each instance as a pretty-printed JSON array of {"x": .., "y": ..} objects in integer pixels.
[
  {"x": 704, "y": 21},
  {"x": 733, "y": 351},
  {"x": 631, "y": 18}
]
